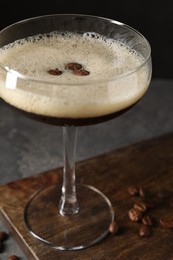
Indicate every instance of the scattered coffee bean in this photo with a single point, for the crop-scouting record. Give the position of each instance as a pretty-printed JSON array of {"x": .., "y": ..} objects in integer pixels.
[
  {"x": 144, "y": 231},
  {"x": 133, "y": 190},
  {"x": 13, "y": 257},
  {"x": 81, "y": 72},
  {"x": 3, "y": 236},
  {"x": 147, "y": 220},
  {"x": 166, "y": 222},
  {"x": 142, "y": 192},
  {"x": 135, "y": 214},
  {"x": 113, "y": 228},
  {"x": 55, "y": 72},
  {"x": 73, "y": 66},
  {"x": 141, "y": 206}
]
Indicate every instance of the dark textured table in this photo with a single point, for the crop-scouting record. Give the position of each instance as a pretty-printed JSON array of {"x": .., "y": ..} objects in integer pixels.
[{"x": 28, "y": 147}]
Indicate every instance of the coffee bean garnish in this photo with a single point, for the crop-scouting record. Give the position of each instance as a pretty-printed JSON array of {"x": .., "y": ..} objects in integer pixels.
[
  {"x": 55, "y": 72},
  {"x": 73, "y": 66},
  {"x": 76, "y": 68},
  {"x": 81, "y": 72}
]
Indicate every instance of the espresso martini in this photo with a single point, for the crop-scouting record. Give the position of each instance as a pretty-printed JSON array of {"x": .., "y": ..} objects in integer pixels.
[{"x": 71, "y": 79}]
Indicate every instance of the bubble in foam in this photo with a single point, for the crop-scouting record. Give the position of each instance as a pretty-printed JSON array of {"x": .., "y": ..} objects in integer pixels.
[{"x": 92, "y": 35}]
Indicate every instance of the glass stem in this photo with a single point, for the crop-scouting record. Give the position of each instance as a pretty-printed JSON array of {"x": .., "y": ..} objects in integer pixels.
[{"x": 68, "y": 203}]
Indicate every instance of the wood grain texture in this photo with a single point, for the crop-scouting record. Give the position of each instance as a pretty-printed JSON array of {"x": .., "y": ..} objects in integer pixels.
[{"x": 148, "y": 164}]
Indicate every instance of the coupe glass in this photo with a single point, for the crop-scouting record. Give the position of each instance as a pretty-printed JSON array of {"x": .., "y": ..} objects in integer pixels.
[{"x": 72, "y": 217}]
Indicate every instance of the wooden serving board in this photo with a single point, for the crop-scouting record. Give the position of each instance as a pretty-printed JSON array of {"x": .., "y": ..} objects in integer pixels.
[{"x": 148, "y": 164}]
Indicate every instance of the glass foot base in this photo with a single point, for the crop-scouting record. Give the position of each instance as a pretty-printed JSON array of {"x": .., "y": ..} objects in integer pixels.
[{"x": 86, "y": 228}]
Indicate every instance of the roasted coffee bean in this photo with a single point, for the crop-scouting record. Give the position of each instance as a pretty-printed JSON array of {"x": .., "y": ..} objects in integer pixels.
[
  {"x": 113, "y": 227},
  {"x": 135, "y": 214},
  {"x": 147, "y": 220},
  {"x": 3, "y": 236},
  {"x": 13, "y": 257},
  {"x": 133, "y": 190},
  {"x": 166, "y": 222},
  {"x": 55, "y": 72},
  {"x": 81, "y": 72},
  {"x": 140, "y": 206},
  {"x": 142, "y": 192},
  {"x": 144, "y": 231},
  {"x": 73, "y": 66}
]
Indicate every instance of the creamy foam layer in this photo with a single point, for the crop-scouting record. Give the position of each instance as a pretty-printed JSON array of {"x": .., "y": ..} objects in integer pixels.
[{"x": 69, "y": 95}]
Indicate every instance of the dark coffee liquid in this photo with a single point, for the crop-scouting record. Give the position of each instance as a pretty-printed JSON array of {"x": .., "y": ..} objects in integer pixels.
[{"x": 73, "y": 121}]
